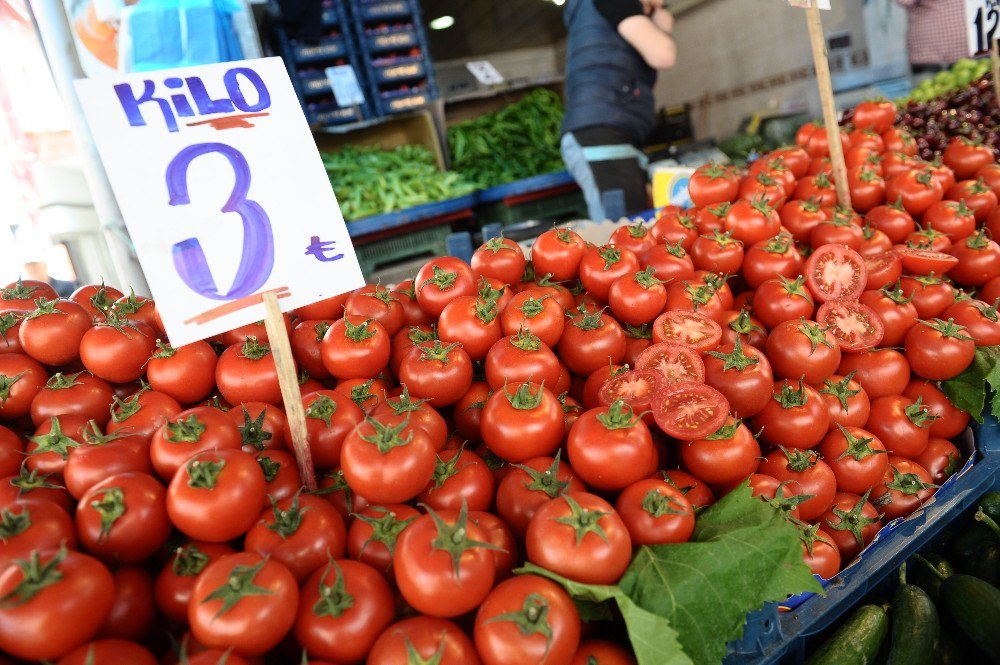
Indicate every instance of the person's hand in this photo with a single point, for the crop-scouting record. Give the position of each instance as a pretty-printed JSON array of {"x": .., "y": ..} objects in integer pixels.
[
  {"x": 664, "y": 20},
  {"x": 649, "y": 7}
]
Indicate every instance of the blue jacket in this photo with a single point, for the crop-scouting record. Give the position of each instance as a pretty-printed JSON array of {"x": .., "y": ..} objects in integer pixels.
[{"x": 607, "y": 81}]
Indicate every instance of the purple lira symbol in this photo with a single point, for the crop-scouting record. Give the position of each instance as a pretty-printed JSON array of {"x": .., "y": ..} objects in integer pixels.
[{"x": 257, "y": 256}]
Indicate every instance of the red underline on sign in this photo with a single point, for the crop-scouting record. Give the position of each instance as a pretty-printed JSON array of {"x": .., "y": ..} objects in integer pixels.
[
  {"x": 230, "y": 121},
  {"x": 237, "y": 305}
]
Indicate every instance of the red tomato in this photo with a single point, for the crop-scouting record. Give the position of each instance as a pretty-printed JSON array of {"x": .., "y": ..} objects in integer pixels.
[
  {"x": 867, "y": 188},
  {"x": 803, "y": 349},
  {"x": 852, "y": 523},
  {"x": 905, "y": 487},
  {"x": 718, "y": 252},
  {"x": 880, "y": 372},
  {"x": 11, "y": 452},
  {"x": 966, "y": 157},
  {"x": 835, "y": 271},
  {"x": 895, "y": 312},
  {"x": 96, "y": 299},
  {"x": 499, "y": 258},
  {"x": 883, "y": 270},
  {"x": 387, "y": 460},
  {"x": 29, "y": 484},
  {"x": 175, "y": 582},
  {"x": 941, "y": 459},
  {"x": 245, "y": 602},
  {"x": 21, "y": 294},
  {"x": 771, "y": 258},
  {"x": 186, "y": 374},
  {"x": 901, "y": 423},
  {"x": 591, "y": 340},
  {"x": 611, "y": 448},
  {"x": 602, "y": 652},
  {"x": 655, "y": 513},
  {"x": 727, "y": 456},
  {"x": 748, "y": 329},
  {"x": 713, "y": 183},
  {"x": 893, "y": 220},
  {"x": 950, "y": 421},
  {"x": 794, "y": 418},
  {"x": 378, "y": 304},
  {"x": 813, "y": 476},
  {"x": 425, "y": 638},
  {"x": 123, "y": 518},
  {"x": 990, "y": 174},
  {"x": 819, "y": 552},
  {"x": 522, "y": 424},
  {"x": 675, "y": 227},
  {"x": 846, "y": 401},
  {"x": 919, "y": 261},
  {"x": 441, "y": 565},
  {"x": 460, "y": 476},
  {"x": 134, "y": 611},
  {"x": 601, "y": 266},
  {"x": 765, "y": 186},
  {"x": 938, "y": 350},
  {"x": 117, "y": 354},
  {"x": 636, "y": 238},
  {"x": 931, "y": 295},
  {"x": 752, "y": 221},
  {"x": 856, "y": 456},
  {"x": 581, "y": 537},
  {"x": 216, "y": 496},
  {"x": 530, "y": 485},
  {"x": 838, "y": 230},
  {"x": 743, "y": 376},
  {"x": 80, "y": 394},
  {"x": 52, "y": 332},
  {"x": 818, "y": 188},
  {"x": 875, "y": 115},
  {"x": 372, "y": 536},
  {"x": 109, "y": 652},
  {"x": 557, "y": 252},
  {"x": 435, "y": 372},
  {"x": 687, "y": 328},
  {"x": 188, "y": 433},
  {"x": 637, "y": 298},
  {"x": 688, "y": 411},
  {"x": 527, "y": 619},
  {"x": 712, "y": 218},
  {"x": 519, "y": 358},
  {"x": 917, "y": 190},
  {"x": 855, "y": 326},
  {"x": 354, "y": 348},
  {"x": 978, "y": 260},
  {"x": 48, "y": 450},
  {"x": 407, "y": 295},
  {"x": 33, "y": 524},
  {"x": 302, "y": 532},
  {"x": 543, "y": 315},
  {"x": 781, "y": 299},
  {"x": 441, "y": 280}
]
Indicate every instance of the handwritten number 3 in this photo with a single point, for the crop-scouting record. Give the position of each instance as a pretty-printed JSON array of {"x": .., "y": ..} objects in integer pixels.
[{"x": 257, "y": 258}]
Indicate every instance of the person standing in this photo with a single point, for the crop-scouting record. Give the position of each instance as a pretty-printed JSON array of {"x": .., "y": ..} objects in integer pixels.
[
  {"x": 615, "y": 49},
  {"x": 936, "y": 37}
]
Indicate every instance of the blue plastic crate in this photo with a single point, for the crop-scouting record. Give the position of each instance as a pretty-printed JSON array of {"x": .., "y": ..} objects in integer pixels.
[
  {"x": 389, "y": 102},
  {"x": 328, "y": 48},
  {"x": 391, "y": 39},
  {"x": 331, "y": 15},
  {"x": 331, "y": 114},
  {"x": 525, "y": 186},
  {"x": 394, "y": 70},
  {"x": 384, "y": 10},
  {"x": 392, "y": 220},
  {"x": 313, "y": 83},
  {"x": 771, "y": 636}
]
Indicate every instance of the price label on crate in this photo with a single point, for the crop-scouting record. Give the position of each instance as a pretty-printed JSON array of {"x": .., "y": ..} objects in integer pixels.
[
  {"x": 223, "y": 192},
  {"x": 982, "y": 20},
  {"x": 344, "y": 81},
  {"x": 485, "y": 72}
]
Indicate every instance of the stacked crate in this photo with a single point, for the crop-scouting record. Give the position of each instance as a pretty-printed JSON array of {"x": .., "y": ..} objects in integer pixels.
[
  {"x": 307, "y": 64},
  {"x": 394, "y": 51}
]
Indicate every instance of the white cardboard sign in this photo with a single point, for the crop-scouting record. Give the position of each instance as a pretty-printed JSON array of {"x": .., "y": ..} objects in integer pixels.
[
  {"x": 223, "y": 192},
  {"x": 485, "y": 72},
  {"x": 982, "y": 20}
]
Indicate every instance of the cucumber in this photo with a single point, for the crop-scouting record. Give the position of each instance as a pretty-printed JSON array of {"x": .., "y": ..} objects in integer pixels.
[
  {"x": 915, "y": 625},
  {"x": 985, "y": 563},
  {"x": 975, "y": 607},
  {"x": 990, "y": 503},
  {"x": 927, "y": 580},
  {"x": 950, "y": 651},
  {"x": 857, "y": 641}
]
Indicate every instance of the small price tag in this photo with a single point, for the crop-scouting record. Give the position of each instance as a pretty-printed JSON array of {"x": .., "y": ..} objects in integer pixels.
[
  {"x": 485, "y": 72},
  {"x": 344, "y": 81},
  {"x": 982, "y": 18},
  {"x": 805, "y": 4}
]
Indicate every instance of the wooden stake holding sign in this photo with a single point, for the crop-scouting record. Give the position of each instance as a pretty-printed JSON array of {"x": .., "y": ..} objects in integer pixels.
[
  {"x": 818, "y": 42},
  {"x": 995, "y": 61},
  {"x": 226, "y": 232},
  {"x": 291, "y": 392}
]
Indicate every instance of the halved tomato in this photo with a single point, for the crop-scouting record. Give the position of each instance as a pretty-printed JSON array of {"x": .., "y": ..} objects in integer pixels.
[
  {"x": 925, "y": 261},
  {"x": 857, "y": 327},
  {"x": 883, "y": 270},
  {"x": 635, "y": 388},
  {"x": 834, "y": 272},
  {"x": 688, "y": 411},
  {"x": 674, "y": 362},
  {"x": 688, "y": 328}
]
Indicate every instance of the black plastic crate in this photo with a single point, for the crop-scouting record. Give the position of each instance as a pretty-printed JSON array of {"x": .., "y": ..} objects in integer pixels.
[{"x": 385, "y": 10}]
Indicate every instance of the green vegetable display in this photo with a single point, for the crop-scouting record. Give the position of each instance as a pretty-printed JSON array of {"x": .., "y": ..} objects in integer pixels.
[
  {"x": 371, "y": 181},
  {"x": 968, "y": 391},
  {"x": 962, "y": 73},
  {"x": 518, "y": 142}
]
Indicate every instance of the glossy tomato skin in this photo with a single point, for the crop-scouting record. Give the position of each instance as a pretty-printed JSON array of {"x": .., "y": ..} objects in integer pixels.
[
  {"x": 824, "y": 560},
  {"x": 858, "y": 458},
  {"x": 883, "y": 270},
  {"x": 428, "y": 637},
  {"x": 978, "y": 260},
  {"x": 374, "y": 302},
  {"x": 442, "y": 279},
  {"x": 866, "y": 522},
  {"x": 601, "y": 266},
  {"x": 135, "y": 505},
  {"x": 133, "y": 611},
  {"x": 175, "y": 582},
  {"x": 813, "y": 475},
  {"x": 739, "y": 323},
  {"x": 803, "y": 349},
  {"x": 256, "y": 623},
  {"x": 543, "y": 316},
  {"x": 470, "y": 321},
  {"x": 39, "y": 525},
  {"x": 732, "y": 456},
  {"x": 655, "y": 512},
  {"x": 519, "y": 358},
  {"x": 427, "y": 575},
  {"x": 930, "y": 295},
  {"x": 892, "y": 220},
  {"x": 11, "y": 452},
  {"x": 918, "y": 190},
  {"x": 880, "y": 371},
  {"x": 500, "y": 640},
  {"x": 905, "y": 487},
  {"x": 335, "y": 628},
  {"x": 979, "y": 319},
  {"x": 846, "y": 400},
  {"x": 718, "y": 252},
  {"x": 143, "y": 414},
  {"x": 302, "y": 532},
  {"x": 187, "y": 373},
  {"x": 795, "y": 417},
  {"x": 675, "y": 227},
  {"x": 329, "y": 418},
  {"x": 636, "y": 238},
  {"x": 938, "y": 350},
  {"x": 51, "y": 334},
  {"x": 637, "y": 299},
  {"x": 435, "y": 372},
  {"x": 117, "y": 355},
  {"x": 877, "y": 116},
  {"x": 591, "y": 341},
  {"x": 522, "y": 422},
  {"x": 109, "y": 652},
  {"x": 558, "y": 252},
  {"x": 188, "y": 433},
  {"x": 372, "y": 537},
  {"x": 894, "y": 310},
  {"x": 742, "y": 375},
  {"x": 901, "y": 424},
  {"x": 48, "y": 450},
  {"x": 355, "y": 348},
  {"x": 752, "y": 221},
  {"x": 460, "y": 476},
  {"x": 247, "y": 373},
  {"x": 691, "y": 329},
  {"x": 611, "y": 448},
  {"x": 23, "y": 378},
  {"x": 80, "y": 394},
  {"x": 219, "y": 510},
  {"x": 412, "y": 314},
  {"x": 393, "y": 476},
  {"x": 602, "y": 652},
  {"x": 553, "y": 544},
  {"x": 976, "y": 195},
  {"x": 526, "y": 488},
  {"x": 941, "y": 458},
  {"x": 951, "y": 421},
  {"x": 78, "y": 602},
  {"x": 781, "y": 299},
  {"x": 713, "y": 183}
]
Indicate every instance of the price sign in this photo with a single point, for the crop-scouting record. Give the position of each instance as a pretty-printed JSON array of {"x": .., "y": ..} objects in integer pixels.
[
  {"x": 805, "y": 4},
  {"x": 346, "y": 89},
  {"x": 982, "y": 20},
  {"x": 223, "y": 192},
  {"x": 485, "y": 72}
]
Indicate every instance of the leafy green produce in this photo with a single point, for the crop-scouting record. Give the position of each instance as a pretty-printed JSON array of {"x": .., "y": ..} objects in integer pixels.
[
  {"x": 371, "y": 181},
  {"x": 682, "y": 603},
  {"x": 517, "y": 142},
  {"x": 962, "y": 73},
  {"x": 969, "y": 389}
]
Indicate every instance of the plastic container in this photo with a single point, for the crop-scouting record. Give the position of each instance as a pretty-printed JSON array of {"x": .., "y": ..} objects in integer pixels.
[
  {"x": 442, "y": 211},
  {"x": 525, "y": 186},
  {"x": 429, "y": 241},
  {"x": 395, "y": 70},
  {"x": 771, "y": 636},
  {"x": 385, "y": 10},
  {"x": 328, "y": 48}
]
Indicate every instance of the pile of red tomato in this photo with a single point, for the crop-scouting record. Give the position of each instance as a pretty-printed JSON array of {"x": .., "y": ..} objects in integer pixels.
[{"x": 560, "y": 411}]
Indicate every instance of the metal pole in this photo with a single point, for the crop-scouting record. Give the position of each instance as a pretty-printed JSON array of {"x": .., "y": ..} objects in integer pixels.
[{"x": 54, "y": 32}]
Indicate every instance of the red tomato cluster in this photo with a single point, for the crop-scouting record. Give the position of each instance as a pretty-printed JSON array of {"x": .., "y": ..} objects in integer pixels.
[{"x": 560, "y": 411}]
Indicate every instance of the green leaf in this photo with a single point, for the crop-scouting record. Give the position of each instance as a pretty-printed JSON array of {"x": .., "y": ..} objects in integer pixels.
[
  {"x": 743, "y": 554},
  {"x": 591, "y": 611},
  {"x": 967, "y": 391},
  {"x": 653, "y": 639}
]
